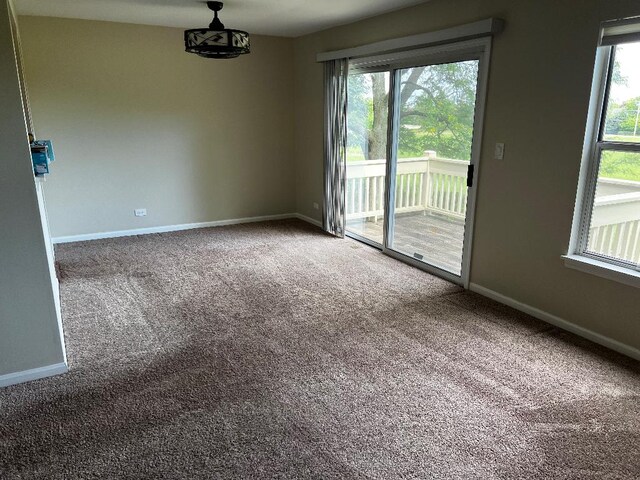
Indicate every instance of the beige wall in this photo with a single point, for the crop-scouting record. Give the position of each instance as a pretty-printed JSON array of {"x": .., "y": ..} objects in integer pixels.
[
  {"x": 537, "y": 103},
  {"x": 138, "y": 123},
  {"x": 30, "y": 335},
  {"x": 134, "y": 123}
]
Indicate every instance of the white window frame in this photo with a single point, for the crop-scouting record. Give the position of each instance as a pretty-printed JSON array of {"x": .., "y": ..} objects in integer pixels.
[{"x": 578, "y": 256}]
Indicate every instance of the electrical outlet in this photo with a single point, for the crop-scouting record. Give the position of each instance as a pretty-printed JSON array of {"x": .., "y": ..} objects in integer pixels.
[
  {"x": 140, "y": 212},
  {"x": 499, "y": 152},
  {"x": 316, "y": 206}
]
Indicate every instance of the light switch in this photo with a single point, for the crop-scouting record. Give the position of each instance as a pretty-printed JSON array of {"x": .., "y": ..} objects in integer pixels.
[{"x": 499, "y": 153}]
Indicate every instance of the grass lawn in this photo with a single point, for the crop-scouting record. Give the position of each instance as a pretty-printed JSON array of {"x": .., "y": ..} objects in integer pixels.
[
  {"x": 622, "y": 138},
  {"x": 620, "y": 165}
]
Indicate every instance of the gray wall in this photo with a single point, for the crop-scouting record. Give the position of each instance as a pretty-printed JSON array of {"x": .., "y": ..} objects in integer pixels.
[
  {"x": 138, "y": 123},
  {"x": 29, "y": 329},
  {"x": 538, "y": 95}
]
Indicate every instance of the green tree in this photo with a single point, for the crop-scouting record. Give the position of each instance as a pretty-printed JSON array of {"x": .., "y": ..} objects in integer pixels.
[
  {"x": 358, "y": 113},
  {"x": 367, "y": 114},
  {"x": 622, "y": 117},
  {"x": 436, "y": 110}
]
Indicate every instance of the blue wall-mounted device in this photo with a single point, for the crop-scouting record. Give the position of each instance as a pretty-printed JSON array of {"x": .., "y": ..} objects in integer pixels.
[{"x": 41, "y": 156}]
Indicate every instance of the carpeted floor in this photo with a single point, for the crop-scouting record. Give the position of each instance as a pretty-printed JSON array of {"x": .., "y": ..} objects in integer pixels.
[{"x": 273, "y": 351}]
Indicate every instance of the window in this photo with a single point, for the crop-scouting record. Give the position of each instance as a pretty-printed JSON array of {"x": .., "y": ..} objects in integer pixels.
[{"x": 609, "y": 218}]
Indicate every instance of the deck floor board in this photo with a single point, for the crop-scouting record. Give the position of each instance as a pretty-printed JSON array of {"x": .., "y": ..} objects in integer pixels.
[{"x": 437, "y": 238}]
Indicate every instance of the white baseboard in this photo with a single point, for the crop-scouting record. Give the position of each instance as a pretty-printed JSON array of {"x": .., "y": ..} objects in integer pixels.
[
  {"x": 33, "y": 374},
  {"x": 558, "y": 322},
  {"x": 310, "y": 220},
  {"x": 169, "y": 228}
]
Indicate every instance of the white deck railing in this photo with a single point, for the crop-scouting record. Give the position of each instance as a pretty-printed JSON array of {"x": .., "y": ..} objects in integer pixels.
[
  {"x": 438, "y": 185},
  {"x": 424, "y": 183},
  {"x": 615, "y": 224}
]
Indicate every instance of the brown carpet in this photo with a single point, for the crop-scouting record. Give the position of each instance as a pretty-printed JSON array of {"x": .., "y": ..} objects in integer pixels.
[{"x": 271, "y": 350}]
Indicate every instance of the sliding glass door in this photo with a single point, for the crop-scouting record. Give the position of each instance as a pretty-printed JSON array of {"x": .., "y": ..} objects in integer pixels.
[
  {"x": 435, "y": 106},
  {"x": 367, "y": 119},
  {"x": 412, "y": 147}
]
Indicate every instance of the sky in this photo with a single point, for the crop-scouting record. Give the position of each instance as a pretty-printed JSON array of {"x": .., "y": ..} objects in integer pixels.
[{"x": 628, "y": 55}]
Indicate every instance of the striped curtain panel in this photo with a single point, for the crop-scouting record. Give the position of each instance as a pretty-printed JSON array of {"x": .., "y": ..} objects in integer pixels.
[{"x": 335, "y": 145}]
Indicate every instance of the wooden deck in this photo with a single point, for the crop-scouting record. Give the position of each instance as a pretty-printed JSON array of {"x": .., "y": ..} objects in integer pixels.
[{"x": 437, "y": 238}]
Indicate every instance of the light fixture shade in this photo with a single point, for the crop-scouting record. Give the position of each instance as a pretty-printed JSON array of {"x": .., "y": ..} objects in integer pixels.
[{"x": 216, "y": 41}]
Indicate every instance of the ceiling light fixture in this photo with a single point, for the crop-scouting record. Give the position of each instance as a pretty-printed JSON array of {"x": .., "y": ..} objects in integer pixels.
[{"x": 216, "y": 41}]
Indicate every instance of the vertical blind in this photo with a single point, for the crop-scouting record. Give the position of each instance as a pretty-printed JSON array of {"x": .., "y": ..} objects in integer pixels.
[{"x": 335, "y": 124}]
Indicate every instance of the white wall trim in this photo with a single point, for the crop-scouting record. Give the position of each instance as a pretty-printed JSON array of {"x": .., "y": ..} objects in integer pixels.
[
  {"x": 461, "y": 32},
  {"x": 169, "y": 228},
  {"x": 558, "y": 322},
  {"x": 603, "y": 269},
  {"x": 184, "y": 226},
  {"x": 310, "y": 220},
  {"x": 33, "y": 374}
]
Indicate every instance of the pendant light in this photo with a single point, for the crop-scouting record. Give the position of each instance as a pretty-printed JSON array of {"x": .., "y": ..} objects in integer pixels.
[{"x": 216, "y": 41}]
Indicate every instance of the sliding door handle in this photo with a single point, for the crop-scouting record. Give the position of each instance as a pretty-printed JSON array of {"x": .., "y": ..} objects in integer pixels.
[{"x": 470, "y": 176}]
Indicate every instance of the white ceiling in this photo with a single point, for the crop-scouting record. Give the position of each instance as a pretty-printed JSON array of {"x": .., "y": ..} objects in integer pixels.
[{"x": 288, "y": 18}]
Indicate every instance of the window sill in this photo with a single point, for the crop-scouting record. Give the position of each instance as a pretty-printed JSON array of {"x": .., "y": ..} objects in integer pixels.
[{"x": 603, "y": 269}]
